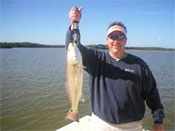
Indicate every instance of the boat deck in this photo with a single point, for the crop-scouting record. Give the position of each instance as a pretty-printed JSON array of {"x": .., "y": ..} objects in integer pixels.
[{"x": 82, "y": 125}]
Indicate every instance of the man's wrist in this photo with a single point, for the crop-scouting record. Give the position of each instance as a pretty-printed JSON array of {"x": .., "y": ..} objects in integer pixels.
[{"x": 74, "y": 27}]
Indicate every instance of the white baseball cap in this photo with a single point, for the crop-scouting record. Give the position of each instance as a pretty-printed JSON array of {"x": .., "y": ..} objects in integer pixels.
[{"x": 116, "y": 28}]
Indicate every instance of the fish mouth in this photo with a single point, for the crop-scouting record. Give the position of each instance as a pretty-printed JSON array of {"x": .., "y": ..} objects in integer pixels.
[{"x": 74, "y": 44}]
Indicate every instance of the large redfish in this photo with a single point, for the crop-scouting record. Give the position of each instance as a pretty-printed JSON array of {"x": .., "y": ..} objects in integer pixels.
[{"x": 74, "y": 79}]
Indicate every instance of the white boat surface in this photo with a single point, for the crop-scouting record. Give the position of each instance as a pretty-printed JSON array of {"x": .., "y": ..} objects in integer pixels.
[{"x": 82, "y": 125}]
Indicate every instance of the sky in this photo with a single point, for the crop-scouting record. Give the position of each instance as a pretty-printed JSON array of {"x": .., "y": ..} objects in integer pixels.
[{"x": 150, "y": 23}]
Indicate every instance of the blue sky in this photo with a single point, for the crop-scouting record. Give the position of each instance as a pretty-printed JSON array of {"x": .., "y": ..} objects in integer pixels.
[{"x": 150, "y": 23}]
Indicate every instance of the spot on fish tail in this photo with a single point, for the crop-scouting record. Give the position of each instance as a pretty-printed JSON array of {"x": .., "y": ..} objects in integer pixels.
[{"x": 72, "y": 115}]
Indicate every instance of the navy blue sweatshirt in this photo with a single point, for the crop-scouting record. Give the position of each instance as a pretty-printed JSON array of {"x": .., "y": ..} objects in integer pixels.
[{"x": 119, "y": 89}]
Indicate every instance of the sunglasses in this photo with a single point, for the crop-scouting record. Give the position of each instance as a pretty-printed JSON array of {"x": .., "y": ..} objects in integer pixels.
[{"x": 116, "y": 37}]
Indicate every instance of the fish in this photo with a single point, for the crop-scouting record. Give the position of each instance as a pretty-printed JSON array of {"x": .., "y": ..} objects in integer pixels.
[{"x": 74, "y": 80}]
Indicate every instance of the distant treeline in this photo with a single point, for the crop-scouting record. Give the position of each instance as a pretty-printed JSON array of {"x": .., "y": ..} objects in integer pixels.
[
  {"x": 99, "y": 46},
  {"x": 27, "y": 45},
  {"x": 102, "y": 46}
]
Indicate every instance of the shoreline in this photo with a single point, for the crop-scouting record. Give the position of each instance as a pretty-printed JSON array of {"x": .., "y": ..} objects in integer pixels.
[{"x": 11, "y": 45}]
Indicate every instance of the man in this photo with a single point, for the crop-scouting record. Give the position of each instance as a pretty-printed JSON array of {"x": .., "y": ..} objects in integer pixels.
[{"x": 119, "y": 83}]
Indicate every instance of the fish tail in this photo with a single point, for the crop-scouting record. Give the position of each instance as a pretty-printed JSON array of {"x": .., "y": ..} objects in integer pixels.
[{"x": 72, "y": 115}]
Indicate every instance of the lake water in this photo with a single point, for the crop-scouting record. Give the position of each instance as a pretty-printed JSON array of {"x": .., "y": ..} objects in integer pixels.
[{"x": 33, "y": 96}]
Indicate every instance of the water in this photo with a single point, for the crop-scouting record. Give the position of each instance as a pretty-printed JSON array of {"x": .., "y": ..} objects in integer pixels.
[{"x": 33, "y": 96}]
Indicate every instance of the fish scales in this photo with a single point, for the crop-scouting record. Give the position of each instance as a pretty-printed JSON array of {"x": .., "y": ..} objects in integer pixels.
[{"x": 74, "y": 80}]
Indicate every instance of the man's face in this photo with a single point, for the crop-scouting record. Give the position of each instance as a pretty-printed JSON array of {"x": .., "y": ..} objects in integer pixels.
[{"x": 116, "y": 45}]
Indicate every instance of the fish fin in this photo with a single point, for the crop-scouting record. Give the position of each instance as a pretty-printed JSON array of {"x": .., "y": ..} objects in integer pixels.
[
  {"x": 72, "y": 115},
  {"x": 82, "y": 98}
]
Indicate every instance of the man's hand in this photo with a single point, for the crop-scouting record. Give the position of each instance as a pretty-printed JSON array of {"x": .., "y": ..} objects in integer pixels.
[
  {"x": 75, "y": 14},
  {"x": 158, "y": 127}
]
